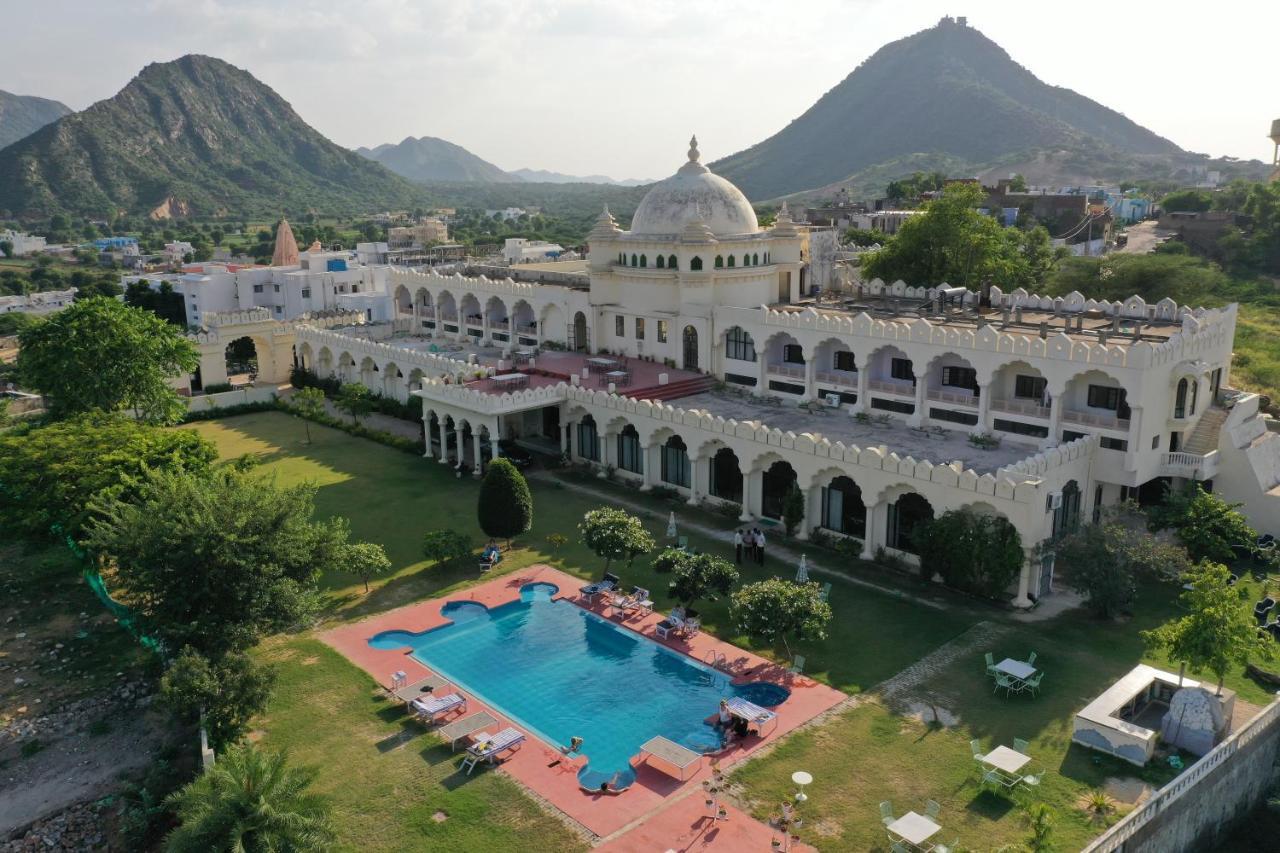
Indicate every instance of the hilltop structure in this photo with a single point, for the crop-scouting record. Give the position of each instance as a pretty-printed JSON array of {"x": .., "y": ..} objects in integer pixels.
[{"x": 695, "y": 356}]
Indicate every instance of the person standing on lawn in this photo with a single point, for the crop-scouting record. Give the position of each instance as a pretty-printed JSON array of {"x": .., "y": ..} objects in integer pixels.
[{"x": 737, "y": 546}]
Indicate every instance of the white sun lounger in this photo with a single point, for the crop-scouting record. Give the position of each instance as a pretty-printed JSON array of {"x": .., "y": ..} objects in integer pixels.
[
  {"x": 489, "y": 748},
  {"x": 430, "y": 707},
  {"x": 752, "y": 713}
]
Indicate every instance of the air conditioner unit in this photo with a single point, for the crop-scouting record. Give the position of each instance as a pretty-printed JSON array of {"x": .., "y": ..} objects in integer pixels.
[
  {"x": 1055, "y": 500},
  {"x": 833, "y": 401}
]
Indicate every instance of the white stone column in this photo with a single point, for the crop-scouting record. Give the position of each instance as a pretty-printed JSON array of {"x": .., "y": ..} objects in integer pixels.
[
  {"x": 922, "y": 387},
  {"x": 1056, "y": 403},
  {"x": 762, "y": 370},
  {"x": 426, "y": 431},
  {"x": 444, "y": 440},
  {"x": 459, "y": 451},
  {"x": 984, "y": 409},
  {"x": 649, "y": 474},
  {"x": 695, "y": 465},
  {"x": 1022, "y": 600},
  {"x": 567, "y": 444},
  {"x": 864, "y": 395},
  {"x": 476, "y": 458},
  {"x": 746, "y": 493},
  {"x": 876, "y": 520}
]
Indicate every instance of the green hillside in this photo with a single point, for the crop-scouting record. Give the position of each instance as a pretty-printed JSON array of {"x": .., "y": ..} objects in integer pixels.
[
  {"x": 432, "y": 159},
  {"x": 22, "y": 115}
]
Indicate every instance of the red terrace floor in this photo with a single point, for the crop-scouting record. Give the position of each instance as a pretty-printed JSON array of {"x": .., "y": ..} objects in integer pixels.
[
  {"x": 653, "y": 793},
  {"x": 687, "y": 826},
  {"x": 551, "y": 368}
]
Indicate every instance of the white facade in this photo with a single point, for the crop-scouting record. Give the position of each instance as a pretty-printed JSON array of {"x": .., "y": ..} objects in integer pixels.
[
  {"x": 23, "y": 244},
  {"x": 38, "y": 303},
  {"x": 518, "y": 250},
  {"x": 1092, "y": 402}
]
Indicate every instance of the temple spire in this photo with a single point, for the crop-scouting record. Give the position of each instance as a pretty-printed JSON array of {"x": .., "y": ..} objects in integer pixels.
[{"x": 286, "y": 253}]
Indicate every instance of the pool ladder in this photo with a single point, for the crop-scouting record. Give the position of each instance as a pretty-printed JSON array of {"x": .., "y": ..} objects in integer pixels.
[{"x": 719, "y": 663}]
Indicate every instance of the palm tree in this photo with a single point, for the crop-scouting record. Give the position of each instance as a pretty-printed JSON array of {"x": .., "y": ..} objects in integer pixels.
[{"x": 250, "y": 802}]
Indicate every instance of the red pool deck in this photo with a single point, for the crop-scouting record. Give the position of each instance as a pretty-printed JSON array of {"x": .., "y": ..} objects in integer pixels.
[
  {"x": 686, "y": 825},
  {"x": 536, "y": 765}
]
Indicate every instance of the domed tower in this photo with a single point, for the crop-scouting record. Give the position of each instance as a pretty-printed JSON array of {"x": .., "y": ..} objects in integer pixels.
[{"x": 694, "y": 192}]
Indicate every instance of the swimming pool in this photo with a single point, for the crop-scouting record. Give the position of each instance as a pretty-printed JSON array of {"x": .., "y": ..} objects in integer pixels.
[{"x": 562, "y": 671}]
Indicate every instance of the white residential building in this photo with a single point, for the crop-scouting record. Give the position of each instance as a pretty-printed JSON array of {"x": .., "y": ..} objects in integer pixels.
[
  {"x": 38, "y": 303},
  {"x": 23, "y": 244},
  {"x": 518, "y": 250}
]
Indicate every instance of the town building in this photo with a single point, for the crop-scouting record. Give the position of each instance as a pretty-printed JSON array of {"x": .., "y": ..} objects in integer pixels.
[
  {"x": 23, "y": 244},
  {"x": 43, "y": 303},
  {"x": 694, "y": 355},
  {"x": 518, "y": 250}
]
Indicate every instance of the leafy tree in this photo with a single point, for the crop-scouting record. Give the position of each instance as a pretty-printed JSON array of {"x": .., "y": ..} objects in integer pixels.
[
  {"x": 668, "y": 559},
  {"x": 6, "y": 248},
  {"x": 1207, "y": 525},
  {"x": 251, "y": 801},
  {"x": 915, "y": 185},
  {"x": 792, "y": 509},
  {"x": 365, "y": 560},
  {"x": 215, "y": 561},
  {"x": 702, "y": 576},
  {"x": 1217, "y": 631},
  {"x": 355, "y": 399},
  {"x": 443, "y": 546},
  {"x": 1018, "y": 184},
  {"x": 865, "y": 237},
  {"x": 227, "y": 693},
  {"x": 775, "y": 609},
  {"x": 101, "y": 354},
  {"x": 1104, "y": 561},
  {"x": 309, "y": 404},
  {"x": 974, "y": 552},
  {"x": 48, "y": 474},
  {"x": 1042, "y": 819},
  {"x": 505, "y": 506},
  {"x": 1116, "y": 277},
  {"x": 614, "y": 534},
  {"x": 14, "y": 322},
  {"x": 163, "y": 301},
  {"x": 1194, "y": 201}
]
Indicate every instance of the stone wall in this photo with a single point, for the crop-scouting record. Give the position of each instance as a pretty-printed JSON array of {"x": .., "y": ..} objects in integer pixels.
[{"x": 1198, "y": 806}]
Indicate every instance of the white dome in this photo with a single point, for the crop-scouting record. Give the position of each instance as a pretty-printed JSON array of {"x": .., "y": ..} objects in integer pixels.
[{"x": 694, "y": 194}]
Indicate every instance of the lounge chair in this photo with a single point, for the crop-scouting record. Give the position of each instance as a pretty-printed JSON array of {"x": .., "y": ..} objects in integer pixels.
[
  {"x": 488, "y": 748},
  {"x": 797, "y": 665},
  {"x": 1262, "y": 609},
  {"x": 991, "y": 664},
  {"x": 429, "y": 708},
  {"x": 826, "y": 591},
  {"x": 886, "y": 813},
  {"x": 932, "y": 808},
  {"x": 1021, "y": 745},
  {"x": 465, "y": 727},
  {"x": 1031, "y": 659},
  {"x": 641, "y": 599},
  {"x": 607, "y": 584},
  {"x": 490, "y": 558}
]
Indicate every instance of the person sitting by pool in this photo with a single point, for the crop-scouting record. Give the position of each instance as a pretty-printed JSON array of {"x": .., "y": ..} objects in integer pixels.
[
  {"x": 725, "y": 718},
  {"x": 491, "y": 556},
  {"x": 574, "y": 747}
]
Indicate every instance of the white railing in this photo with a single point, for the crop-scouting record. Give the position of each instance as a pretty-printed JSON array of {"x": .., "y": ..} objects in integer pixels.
[
  {"x": 843, "y": 378},
  {"x": 1128, "y": 826},
  {"x": 1017, "y": 407},
  {"x": 902, "y": 389},
  {"x": 787, "y": 370},
  {"x": 953, "y": 398},
  {"x": 1095, "y": 420},
  {"x": 501, "y": 325},
  {"x": 1191, "y": 465}
]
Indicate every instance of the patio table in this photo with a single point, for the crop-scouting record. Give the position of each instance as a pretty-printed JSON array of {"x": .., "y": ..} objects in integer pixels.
[
  {"x": 670, "y": 757},
  {"x": 915, "y": 829},
  {"x": 1020, "y": 670},
  {"x": 618, "y": 377},
  {"x": 512, "y": 380},
  {"x": 601, "y": 365},
  {"x": 1006, "y": 760}
]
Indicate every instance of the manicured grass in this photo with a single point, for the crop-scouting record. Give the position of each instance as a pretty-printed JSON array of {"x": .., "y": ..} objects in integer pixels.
[{"x": 389, "y": 783}]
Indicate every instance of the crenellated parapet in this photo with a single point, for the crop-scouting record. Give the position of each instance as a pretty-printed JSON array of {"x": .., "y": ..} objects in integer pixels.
[{"x": 413, "y": 279}]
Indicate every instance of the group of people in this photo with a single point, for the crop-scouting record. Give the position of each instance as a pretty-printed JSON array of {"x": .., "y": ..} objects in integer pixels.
[
  {"x": 752, "y": 541},
  {"x": 730, "y": 724}
]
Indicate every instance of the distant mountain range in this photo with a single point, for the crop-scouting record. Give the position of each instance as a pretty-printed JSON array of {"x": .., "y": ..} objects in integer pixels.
[
  {"x": 542, "y": 176},
  {"x": 430, "y": 159},
  {"x": 195, "y": 136},
  {"x": 23, "y": 115},
  {"x": 947, "y": 92}
]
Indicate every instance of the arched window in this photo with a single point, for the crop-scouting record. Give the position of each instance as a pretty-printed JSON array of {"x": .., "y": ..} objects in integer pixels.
[
  {"x": 739, "y": 344},
  {"x": 588, "y": 439},
  {"x": 755, "y": 259},
  {"x": 696, "y": 264},
  {"x": 842, "y": 508},
  {"x": 1180, "y": 402},
  {"x": 720, "y": 261},
  {"x": 644, "y": 260},
  {"x": 634, "y": 262},
  {"x": 675, "y": 462},
  {"x": 731, "y": 261},
  {"x": 671, "y": 262},
  {"x": 630, "y": 456},
  {"x": 1066, "y": 518},
  {"x": 622, "y": 258},
  {"x": 662, "y": 262}
]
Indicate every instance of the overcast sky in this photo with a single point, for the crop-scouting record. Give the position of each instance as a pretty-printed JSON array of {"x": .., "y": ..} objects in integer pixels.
[{"x": 616, "y": 88}]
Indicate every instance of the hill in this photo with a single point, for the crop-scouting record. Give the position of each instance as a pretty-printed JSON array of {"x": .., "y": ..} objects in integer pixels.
[
  {"x": 195, "y": 136},
  {"x": 22, "y": 115},
  {"x": 947, "y": 91},
  {"x": 542, "y": 176},
  {"x": 430, "y": 159}
]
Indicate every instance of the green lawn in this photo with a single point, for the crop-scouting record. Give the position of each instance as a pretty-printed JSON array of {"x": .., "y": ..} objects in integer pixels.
[{"x": 388, "y": 781}]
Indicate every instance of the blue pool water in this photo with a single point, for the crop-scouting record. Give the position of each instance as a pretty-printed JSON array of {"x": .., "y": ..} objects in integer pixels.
[{"x": 562, "y": 671}]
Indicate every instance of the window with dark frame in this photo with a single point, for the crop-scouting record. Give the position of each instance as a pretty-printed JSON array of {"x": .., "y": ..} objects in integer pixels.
[
  {"x": 900, "y": 368},
  {"x": 960, "y": 377},
  {"x": 739, "y": 345},
  {"x": 844, "y": 361},
  {"x": 639, "y": 328},
  {"x": 1029, "y": 387},
  {"x": 793, "y": 354},
  {"x": 662, "y": 331},
  {"x": 619, "y": 326}
]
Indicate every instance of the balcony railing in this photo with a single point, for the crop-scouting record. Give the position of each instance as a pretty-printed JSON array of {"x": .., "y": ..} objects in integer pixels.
[
  {"x": 953, "y": 398},
  {"x": 794, "y": 371},
  {"x": 901, "y": 389},
  {"x": 843, "y": 378},
  {"x": 499, "y": 324},
  {"x": 1193, "y": 466},
  {"x": 527, "y": 328},
  {"x": 1020, "y": 407},
  {"x": 1095, "y": 420}
]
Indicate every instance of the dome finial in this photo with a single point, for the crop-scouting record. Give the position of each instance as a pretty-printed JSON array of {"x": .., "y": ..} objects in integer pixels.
[{"x": 693, "y": 149}]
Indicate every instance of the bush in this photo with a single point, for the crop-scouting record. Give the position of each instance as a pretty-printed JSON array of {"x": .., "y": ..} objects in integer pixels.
[
  {"x": 217, "y": 387},
  {"x": 216, "y": 412},
  {"x": 505, "y": 505},
  {"x": 667, "y": 560},
  {"x": 443, "y": 546},
  {"x": 981, "y": 554},
  {"x": 1209, "y": 527}
]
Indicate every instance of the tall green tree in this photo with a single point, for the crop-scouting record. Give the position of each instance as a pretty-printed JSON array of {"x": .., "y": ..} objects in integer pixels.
[
  {"x": 365, "y": 560},
  {"x": 505, "y": 505},
  {"x": 776, "y": 610},
  {"x": 251, "y": 801},
  {"x": 614, "y": 534},
  {"x": 792, "y": 509},
  {"x": 1104, "y": 561},
  {"x": 1209, "y": 527},
  {"x": 309, "y": 404},
  {"x": 224, "y": 695},
  {"x": 974, "y": 552},
  {"x": 1217, "y": 631},
  {"x": 355, "y": 399},
  {"x": 101, "y": 354},
  {"x": 702, "y": 576},
  {"x": 215, "y": 561},
  {"x": 49, "y": 474}
]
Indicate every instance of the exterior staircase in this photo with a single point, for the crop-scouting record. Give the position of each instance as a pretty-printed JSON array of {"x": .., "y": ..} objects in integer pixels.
[
  {"x": 673, "y": 390},
  {"x": 1204, "y": 438}
]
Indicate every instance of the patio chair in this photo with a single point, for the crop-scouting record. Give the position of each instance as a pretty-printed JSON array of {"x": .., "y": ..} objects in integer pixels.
[
  {"x": 691, "y": 627},
  {"x": 682, "y": 542},
  {"x": 975, "y": 746},
  {"x": 489, "y": 748},
  {"x": 826, "y": 591},
  {"x": 607, "y": 584},
  {"x": 886, "y": 813},
  {"x": 947, "y": 848},
  {"x": 797, "y": 665},
  {"x": 1032, "y": 683},
  {"x": 1008, "y": 682},
  {"x": 992, "y": 777},
  {"x": 899, "y": 847},
  {"x": 932, "y": 808},
  {"x": 1031, "y": 659},
  {"x": 1021, "y": 745},
  {"x": 991, "y": 664}
]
